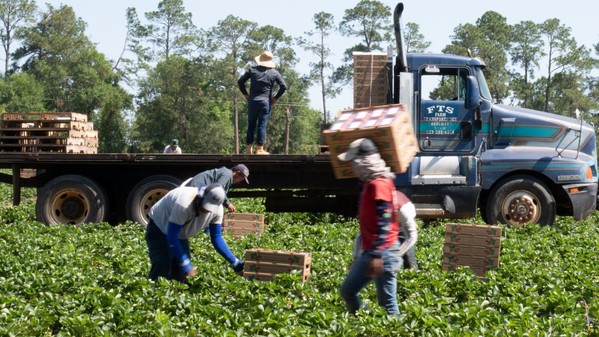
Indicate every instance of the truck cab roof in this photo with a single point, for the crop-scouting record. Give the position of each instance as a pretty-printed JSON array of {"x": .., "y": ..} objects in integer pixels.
[{"x": 418, "y": 60}]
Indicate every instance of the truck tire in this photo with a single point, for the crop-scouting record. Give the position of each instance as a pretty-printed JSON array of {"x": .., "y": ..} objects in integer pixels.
[
  {"x": 71, "y": 199},
  {"x": 146, "y": 193},
  {"x": 521, "y": 200}
]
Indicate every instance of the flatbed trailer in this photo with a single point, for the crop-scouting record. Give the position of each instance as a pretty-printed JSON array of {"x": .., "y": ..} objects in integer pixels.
[{"x": 78, "y": 188}]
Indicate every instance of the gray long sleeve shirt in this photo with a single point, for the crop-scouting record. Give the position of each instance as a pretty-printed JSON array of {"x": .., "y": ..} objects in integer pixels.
[{"x": 222, "y": 176}]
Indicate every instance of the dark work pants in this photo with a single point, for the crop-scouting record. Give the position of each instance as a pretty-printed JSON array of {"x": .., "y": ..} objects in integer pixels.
[
  {"x": 258, "y": 115},
  {"x": 163, "y": 263}
]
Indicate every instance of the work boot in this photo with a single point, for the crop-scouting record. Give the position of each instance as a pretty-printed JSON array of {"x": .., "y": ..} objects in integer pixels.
[
  {"x": 248, "y": 149},
  {"x": 260, "y": 150}
]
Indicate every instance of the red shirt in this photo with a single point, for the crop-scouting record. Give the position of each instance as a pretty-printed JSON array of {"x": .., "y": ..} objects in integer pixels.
[{"x": 377, "y": 189}]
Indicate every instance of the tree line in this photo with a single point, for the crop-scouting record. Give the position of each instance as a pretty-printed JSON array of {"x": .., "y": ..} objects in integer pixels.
[{"x": 175, "y": 80}]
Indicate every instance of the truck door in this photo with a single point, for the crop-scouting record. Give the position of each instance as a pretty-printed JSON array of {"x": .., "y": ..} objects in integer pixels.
[
  {"x": 444, "y": 123},
  {"x": 445, "y": 129}
]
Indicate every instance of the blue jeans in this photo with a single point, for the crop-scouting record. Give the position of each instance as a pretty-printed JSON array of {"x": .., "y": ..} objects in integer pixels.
[
  {"x": 386, "y": 284},
  {"x": 163, "y": 263},
  {"x": 258, "y": 115}
]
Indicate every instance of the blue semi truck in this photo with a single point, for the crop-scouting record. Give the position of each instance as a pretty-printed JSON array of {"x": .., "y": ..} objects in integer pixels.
[{"x": 514, "y": 165}]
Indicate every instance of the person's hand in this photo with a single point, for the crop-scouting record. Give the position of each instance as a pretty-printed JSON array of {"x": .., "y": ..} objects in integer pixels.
[
  {"x": 238, "y": 267},
  {"x": 231, "y": 208},
  {"x": 273, "y": 100},
  {"x": 351, "y": 264},
  {"x": 189, "y": 274},
  {"x": 374, "y": 268},
  {"x": 247, "y": 97}
]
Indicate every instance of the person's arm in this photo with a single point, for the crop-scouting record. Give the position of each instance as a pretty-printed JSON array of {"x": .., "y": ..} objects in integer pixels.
[
  {"x": 219, "y": 244},
  {"x": 282, "y": 86},
  {"x": 241, "y": 83},
  {"x": 224, "y": 177},
  {"x": 176, "y": 249},
  {"x": 384, "y": 217},
  {"x": 407, "y": 219}
]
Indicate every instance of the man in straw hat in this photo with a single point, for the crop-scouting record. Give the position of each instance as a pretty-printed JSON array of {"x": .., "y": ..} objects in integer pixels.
[{"x": 260, "y": 100}]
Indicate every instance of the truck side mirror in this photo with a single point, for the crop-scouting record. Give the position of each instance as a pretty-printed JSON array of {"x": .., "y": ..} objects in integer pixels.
[{"x": 472, "y": 93}]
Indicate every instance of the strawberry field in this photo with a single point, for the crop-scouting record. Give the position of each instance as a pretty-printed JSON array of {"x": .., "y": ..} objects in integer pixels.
[{"x": 91, "y": 280}]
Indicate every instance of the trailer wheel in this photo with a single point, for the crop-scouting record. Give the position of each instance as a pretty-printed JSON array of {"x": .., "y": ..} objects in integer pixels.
[
  {"x": 146, "y": 193},
  {"x": 71, "y": 199},
  {"x": 519, "y": 201}
]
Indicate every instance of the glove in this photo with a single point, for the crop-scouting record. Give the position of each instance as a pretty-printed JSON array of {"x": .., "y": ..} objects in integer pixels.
[
  {"x": 375, "y": 267},
  {"x": 191, "y": 273},
  {"x": 238, "y": 267}
]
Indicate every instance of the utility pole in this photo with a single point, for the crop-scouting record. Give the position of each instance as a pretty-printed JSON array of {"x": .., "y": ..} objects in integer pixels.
[{"x": 287, "y": 127}]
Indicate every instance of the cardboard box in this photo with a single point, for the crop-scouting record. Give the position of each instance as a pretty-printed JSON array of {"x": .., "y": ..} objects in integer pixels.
[
  {"x": 264, "y": 264},
  {"x": 472, "y": 240},
  {"x": 389, "y": 127},
  {"x": 476, "y": 230},
  {"x": 450, "y": 248},
  {"x": 239, "y": 224}
]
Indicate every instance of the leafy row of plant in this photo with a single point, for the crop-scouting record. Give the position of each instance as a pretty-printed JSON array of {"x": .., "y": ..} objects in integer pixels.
[{"x": 91, "y": 280}]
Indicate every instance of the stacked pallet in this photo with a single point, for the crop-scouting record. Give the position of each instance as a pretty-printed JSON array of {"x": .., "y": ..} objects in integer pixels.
[
  {"x": 371, "y": 79},
  {"x": 474, "y": 246},
  {"x": 240, "y": 224},
  {"x": 65, "y": 132},
  {"x": 388, "y": 126},
  {"x": 264, "y": 264}
]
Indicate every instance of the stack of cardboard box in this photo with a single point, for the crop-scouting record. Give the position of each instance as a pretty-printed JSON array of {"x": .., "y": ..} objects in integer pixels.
[{"x": 474, "y": 246}]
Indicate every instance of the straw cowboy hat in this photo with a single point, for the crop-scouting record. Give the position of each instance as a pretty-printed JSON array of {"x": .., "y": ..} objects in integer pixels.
[{"x": 265, "y": 59}]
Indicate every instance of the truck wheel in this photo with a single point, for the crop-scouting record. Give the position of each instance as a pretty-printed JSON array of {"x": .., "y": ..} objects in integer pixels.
[
  {"x": 519, "y": 201},
  {"x": 71, "y": 199},
  {"x": 146, "y": 193}
]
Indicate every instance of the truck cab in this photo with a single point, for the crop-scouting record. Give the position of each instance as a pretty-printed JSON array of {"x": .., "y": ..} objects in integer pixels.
[{"x": 514, "y": 165}]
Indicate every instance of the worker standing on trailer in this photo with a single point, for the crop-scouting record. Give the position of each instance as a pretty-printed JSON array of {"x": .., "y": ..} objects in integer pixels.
[
  {"x": 180, "y": 214},
  {"x": 260, "y": 100}
]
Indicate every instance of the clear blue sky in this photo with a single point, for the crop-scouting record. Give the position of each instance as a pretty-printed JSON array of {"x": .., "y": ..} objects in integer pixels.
[{"x": 106, "y": 21}]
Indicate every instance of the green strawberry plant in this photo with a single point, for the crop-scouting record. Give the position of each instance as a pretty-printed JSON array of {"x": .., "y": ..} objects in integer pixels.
[{"x": 91, "y": 280}]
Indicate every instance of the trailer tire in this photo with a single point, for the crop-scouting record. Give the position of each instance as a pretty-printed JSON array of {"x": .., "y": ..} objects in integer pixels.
[
  {"x": 71, "y": 199},
  {"x": 519, "y": 201},
  {"x": 146, "y": 193}
]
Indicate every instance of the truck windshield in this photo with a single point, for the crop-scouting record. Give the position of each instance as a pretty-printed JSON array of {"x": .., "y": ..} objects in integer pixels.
[{"x": 482, "y": 84}]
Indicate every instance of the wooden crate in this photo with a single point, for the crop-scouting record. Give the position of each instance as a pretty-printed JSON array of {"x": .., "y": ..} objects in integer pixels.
[
  {"x": 474, "y": 246},
  {"x": 239, "y": 224},
  {"x": 66, "y": 116},
  {"x": 371, "y": 79},
  {"x": 264, "y": 264},
  {"x": 389, "y": 127}
]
